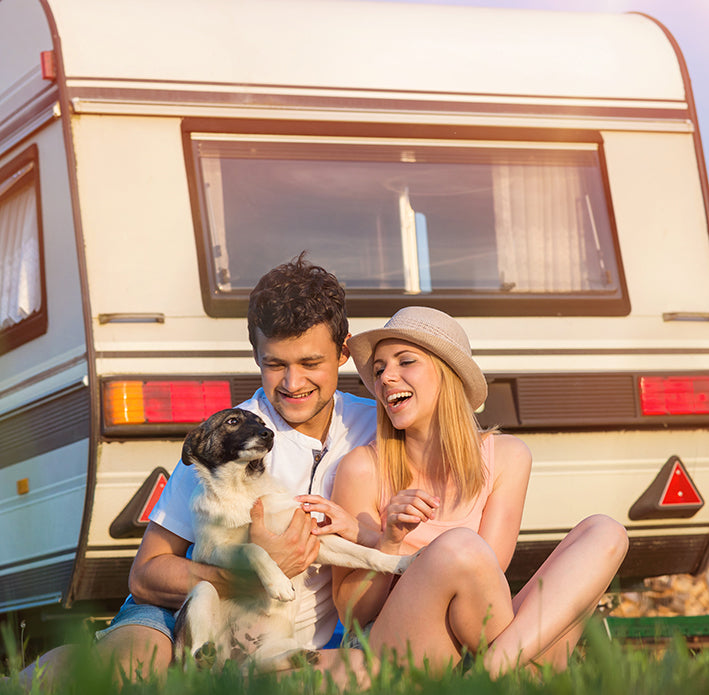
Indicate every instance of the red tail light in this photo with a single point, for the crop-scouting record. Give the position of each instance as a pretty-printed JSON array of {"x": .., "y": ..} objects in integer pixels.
[
  {"x": 149, "y": 402},
  {"x": 674, "y": 395}
]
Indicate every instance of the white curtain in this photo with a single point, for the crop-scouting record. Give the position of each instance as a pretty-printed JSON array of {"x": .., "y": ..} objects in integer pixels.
[
  {"x": 539, "y": 225},
  {"x": 20, "y": 282}
]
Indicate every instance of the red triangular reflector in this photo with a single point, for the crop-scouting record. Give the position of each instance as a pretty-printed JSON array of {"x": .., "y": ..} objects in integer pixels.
[
  {"x": 679, "y": 489},
  {"x": 152, "y": 498}
]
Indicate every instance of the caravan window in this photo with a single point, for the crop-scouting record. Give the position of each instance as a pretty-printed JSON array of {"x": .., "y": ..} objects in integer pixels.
[
  {"x": 488, "y": 227},
  {"x": 22, "y": 294}
]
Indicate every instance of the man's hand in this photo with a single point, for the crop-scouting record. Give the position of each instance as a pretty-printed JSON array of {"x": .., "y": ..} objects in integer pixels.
[
  {"x": 237, "y": 585},
  {"x": 295, "y": 549}
]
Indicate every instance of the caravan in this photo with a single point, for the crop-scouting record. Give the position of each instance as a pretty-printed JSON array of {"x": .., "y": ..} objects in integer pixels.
[{"x": 538, "y": 175}]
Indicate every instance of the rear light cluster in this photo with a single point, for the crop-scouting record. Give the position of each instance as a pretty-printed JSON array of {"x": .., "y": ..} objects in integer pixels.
[
  {"x": 163, "y": 402},
  {"x": 674, "y": 395}
]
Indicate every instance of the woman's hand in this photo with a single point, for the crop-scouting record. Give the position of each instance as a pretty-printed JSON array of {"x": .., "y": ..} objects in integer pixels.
[
  {"x": 336, "y": 519},
  {"x": 405, "y": 511}
]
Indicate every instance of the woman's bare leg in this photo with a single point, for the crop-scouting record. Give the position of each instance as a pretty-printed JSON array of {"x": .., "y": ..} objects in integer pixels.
[
  {"x": 344, "y": 664},
  {"x": 454, "y": 594},
  {"x": 551, "y": 608}
]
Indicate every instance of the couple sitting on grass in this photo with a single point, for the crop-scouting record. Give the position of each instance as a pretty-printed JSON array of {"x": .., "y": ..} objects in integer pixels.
[{"x": 415, "y": 470}]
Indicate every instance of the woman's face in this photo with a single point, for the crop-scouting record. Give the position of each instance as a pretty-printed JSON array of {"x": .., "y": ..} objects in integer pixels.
[{"x": 407, "y": 383}]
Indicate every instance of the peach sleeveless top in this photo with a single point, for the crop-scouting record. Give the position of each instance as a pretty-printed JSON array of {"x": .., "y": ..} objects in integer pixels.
[{"x": 424, "y": 533}]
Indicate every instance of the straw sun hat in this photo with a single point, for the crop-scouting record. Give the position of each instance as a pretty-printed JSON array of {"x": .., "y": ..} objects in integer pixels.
[{"x": 432, "y": 330}]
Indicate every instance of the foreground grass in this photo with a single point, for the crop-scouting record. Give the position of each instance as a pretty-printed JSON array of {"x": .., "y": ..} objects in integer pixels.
[{"x": 602, "y": 667}]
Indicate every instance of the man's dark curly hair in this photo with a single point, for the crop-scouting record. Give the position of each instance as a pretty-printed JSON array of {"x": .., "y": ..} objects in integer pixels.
[{"x": 294, "y": 297}]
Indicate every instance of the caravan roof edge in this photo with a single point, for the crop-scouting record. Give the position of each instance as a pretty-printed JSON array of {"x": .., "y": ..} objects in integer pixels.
[{"x": 347, "y": 44}]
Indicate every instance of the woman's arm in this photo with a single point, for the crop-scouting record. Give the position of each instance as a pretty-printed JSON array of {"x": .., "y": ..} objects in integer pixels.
[
  {"x": 337, "y": 521},
  {"x": 502, "y": 516},
  {"x": 356, "y": 490}
]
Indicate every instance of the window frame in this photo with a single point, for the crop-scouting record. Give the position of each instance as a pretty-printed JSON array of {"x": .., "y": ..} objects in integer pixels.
[
  {"x": 36, "y": 323},
  {"x": 361, "y": 303}
]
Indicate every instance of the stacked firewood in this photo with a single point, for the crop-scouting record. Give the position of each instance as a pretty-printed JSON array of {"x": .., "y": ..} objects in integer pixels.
[{"x": 677, "y": 594}]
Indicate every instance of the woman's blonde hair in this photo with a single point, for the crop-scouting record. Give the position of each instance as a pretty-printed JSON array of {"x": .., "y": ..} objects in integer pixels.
[{"x": 460, "y": 441}]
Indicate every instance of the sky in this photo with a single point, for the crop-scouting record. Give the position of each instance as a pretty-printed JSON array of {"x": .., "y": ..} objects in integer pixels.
[{"x": 687, "y": 21}]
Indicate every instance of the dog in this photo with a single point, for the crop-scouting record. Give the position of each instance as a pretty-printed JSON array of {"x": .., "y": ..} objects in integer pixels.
[{"x": 227, "y": 451}]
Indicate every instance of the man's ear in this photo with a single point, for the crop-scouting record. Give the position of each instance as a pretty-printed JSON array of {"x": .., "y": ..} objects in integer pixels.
[
  {"x": 345, "y": 352},
  {"x": 254, "y": 352}
]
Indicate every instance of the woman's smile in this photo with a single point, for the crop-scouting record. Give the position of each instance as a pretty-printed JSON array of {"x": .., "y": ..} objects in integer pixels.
[{"x": 406, "y": 382}]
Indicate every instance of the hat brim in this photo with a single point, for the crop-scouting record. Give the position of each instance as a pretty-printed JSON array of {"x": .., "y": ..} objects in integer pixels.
[{"x": 362, "y": 346}]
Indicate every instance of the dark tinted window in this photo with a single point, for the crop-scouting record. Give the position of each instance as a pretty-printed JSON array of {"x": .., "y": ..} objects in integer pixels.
[{"x": 434, "y": 223}]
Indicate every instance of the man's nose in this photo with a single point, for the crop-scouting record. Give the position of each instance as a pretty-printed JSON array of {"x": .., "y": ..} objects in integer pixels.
[{"x": 293, "y": 379}]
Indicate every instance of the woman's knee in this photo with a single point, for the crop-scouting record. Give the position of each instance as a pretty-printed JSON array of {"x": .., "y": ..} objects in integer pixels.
[
  {"x": 609, "y": 535},
  {"x": 461, "y": 550}
]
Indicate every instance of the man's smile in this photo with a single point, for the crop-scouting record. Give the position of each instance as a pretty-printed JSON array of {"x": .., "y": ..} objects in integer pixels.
[{"x": 296, "y": 396}]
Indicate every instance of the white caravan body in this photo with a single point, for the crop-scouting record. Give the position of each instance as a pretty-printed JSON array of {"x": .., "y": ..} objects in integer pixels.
[{"x": 539, "y": 175}]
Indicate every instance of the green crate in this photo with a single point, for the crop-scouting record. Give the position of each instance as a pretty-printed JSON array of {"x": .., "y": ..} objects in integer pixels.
[{"x": 657, "y": 627}]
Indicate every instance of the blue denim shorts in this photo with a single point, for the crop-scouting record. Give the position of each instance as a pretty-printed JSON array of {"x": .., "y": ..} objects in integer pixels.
[
  {"x": 351, "y": 639},
  {"x": 132, "y": 613}
]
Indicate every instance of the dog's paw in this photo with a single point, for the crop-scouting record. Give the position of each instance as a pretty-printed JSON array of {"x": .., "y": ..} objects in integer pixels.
[
  {"x": 405, "y": 561},
  {"x": 206, "y": 656},
  {"x": 281, "y": 588},
  {"x": 305, "y": 657}
]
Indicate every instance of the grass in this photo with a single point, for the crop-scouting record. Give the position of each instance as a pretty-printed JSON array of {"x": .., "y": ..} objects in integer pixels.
[{"x": 601, "y": 667}]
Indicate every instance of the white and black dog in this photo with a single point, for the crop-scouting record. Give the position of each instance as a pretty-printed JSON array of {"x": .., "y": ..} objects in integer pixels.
[{"x": 227, "y": 452}]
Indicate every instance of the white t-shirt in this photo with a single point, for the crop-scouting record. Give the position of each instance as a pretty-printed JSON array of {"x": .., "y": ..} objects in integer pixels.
[{"x": 303, "y": 465}]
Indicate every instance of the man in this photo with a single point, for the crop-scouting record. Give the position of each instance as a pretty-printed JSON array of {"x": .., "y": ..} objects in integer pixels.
[{"x": 297, "y": 328}]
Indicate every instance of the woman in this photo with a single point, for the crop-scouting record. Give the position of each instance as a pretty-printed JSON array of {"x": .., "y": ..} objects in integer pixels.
[{"x": 433, "y": 480}]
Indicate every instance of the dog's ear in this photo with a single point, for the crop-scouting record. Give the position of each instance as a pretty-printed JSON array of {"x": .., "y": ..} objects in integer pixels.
[{"x": 191, "y": 441}]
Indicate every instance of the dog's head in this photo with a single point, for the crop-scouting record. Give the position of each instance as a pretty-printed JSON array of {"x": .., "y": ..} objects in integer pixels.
[{"x": 231, "y": 435}]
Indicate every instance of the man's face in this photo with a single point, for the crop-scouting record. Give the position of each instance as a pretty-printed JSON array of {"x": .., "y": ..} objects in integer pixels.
[{"x": 299, "y": 377}]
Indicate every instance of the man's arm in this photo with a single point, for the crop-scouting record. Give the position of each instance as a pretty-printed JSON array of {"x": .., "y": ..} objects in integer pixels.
[{"x": 163, "y": 576}]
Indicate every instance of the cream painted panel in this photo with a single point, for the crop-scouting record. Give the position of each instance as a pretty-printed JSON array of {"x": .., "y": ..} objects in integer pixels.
[
  {"x": 122, "y": 469},
  {"x": 574, "y": 475},
  {"x": 137, "y": 221},
  {"x": 64, "y": 342},
  {"x": 661, "y": 221}
]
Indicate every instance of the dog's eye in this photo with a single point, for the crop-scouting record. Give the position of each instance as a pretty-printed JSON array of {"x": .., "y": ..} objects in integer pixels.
[{"x": 232, "y": 421}]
